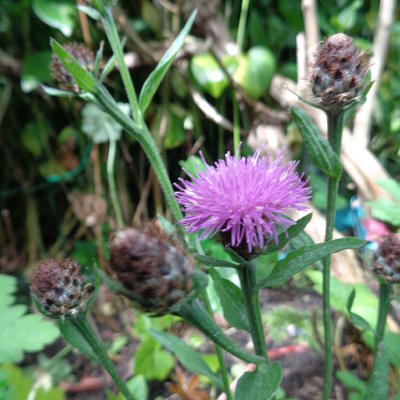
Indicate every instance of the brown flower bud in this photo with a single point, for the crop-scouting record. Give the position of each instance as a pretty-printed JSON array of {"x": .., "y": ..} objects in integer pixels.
[
  {"x": 338, "y": 73},
  {"x": 387, "y": 259},
  {"x": 154, "y": 270},
  {"x": 83, "y": 55},
  {"x": 59, "y": 286}
]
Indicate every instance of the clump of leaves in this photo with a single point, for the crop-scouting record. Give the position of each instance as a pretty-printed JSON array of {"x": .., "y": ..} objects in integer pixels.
[{"x": 20, "y": 332}]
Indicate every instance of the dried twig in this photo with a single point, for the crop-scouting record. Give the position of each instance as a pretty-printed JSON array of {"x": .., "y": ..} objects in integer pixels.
[
  {"x": 309, "y": 9},
  {"x": 362, "y": 121}
]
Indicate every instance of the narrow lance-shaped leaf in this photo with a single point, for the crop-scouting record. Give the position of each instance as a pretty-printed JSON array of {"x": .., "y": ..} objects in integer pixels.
[
  {"x": 75, "y": 338},
  {"x": 231, "y": 299},
  {"x": 186, "y": 355},
  {"x": 301, "y": 258},
  {"x": 321, "y": 153},
  {"x": 356, "y": 319},
  {"x": 84, "y": 79},
  {"x": 210, "y": 261},
  {"x": 153, "y": 81},
  {"x": 291, "y": 232}
]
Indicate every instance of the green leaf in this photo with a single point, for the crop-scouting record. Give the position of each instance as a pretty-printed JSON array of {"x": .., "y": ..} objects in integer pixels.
[
  {"x": 175, "y": 132},
  {"x": 82, "y": 76},
  {"x": 17, "y": 384},
  {"x": 56, "y": 92},
  {"x": 255, "y": 71},
  {"x": 209, "y": 261},
  {"x": 385, "y": 210},
  {"x": 57, "y": 14},
  {"x": 365, "y": 302},
  {"x": 100, "y": 126},
  {"x": 8, "y": 285},
  {"x": 50, "y": 394},
  {"x": 74, "y": 337},
  {"x": 391, "y": 186},
  {"x": 36, "y": 70},
  {"x": 351, "y": 382},
  {"x": 317, "y": 146},
  {"x": 138, "y": 388},
  {"x": 90, "y": 11},
  {"x": 186, "y": 355},
  {"x": 291, "y": 232},
  {"x": 209, "y": 75},
  {"x": 193, "y": 165},
  {"x": 347, "y": 18},
  {"x": 301, "y": 258},
  {"x": 231, "y": 299},
  {"x": 20, "y": 332},
  {"x": 152, "y": 362},
  {"x": 260, "y": 384},
  {"x": 378, "y": 386},
  {"x": 356, "y": 319},
  {"x": 153, "y": 81},
  {"x": 50, "y": 167}
]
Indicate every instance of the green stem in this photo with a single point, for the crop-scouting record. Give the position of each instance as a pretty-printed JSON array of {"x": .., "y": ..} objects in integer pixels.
[
  {"x": 247, "y": 275},
  {"x": 335, "y": 129},
  {"x": 111, "y": 182},
  {"x": 115, "y": 43},
  {"x": 194, "y": 313},
  {"x": 384, "y": 306},
  {"x": 218, "y": 351},
  {"x": 242, "y": 24},
  {"x": 82, "y": 324}
]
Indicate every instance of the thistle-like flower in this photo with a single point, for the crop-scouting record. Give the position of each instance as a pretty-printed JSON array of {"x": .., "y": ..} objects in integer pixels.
[
  {"x": 245, "y": 199},
  {"x": 155, "y": 271},
  {"x": 387, "y": 258},
  {"x": 83, "y": 55},
  {"x": 59, "y": 287},
  {"x": 338, "y": 73}
]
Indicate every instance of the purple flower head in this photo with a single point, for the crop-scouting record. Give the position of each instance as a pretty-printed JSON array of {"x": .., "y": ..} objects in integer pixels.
[{"x": 247, "y": 197}]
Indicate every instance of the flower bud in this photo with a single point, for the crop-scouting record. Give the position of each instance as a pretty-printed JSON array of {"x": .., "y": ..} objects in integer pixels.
[
  {"x": 82, "y": 54},
  {"x": 338, "y": 73},
  {"x": 155, "y": 271},
  {"x": 59, "y": 286},
  {"x": 387, "y": 259}
]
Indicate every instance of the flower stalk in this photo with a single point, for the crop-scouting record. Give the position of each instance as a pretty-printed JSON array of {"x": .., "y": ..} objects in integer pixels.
[
  {"x": 81, "y": 323},
  {"x": 335, "y": 129},
  {"x": 247, "y": 275},
  {"x": 385, "y": 289}
]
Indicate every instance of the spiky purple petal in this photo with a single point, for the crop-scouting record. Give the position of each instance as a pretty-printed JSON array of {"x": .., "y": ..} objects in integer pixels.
[{"x": 247, "y": 196}]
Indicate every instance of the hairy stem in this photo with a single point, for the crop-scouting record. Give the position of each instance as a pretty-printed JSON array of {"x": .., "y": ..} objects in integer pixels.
[
  {"x": 247, "y": 276},
  {"x": 82, "y": 324},
  {"x": 384, "y": 306},
  {"x": 335, "y": 128},
  {"x": 193, "y": 312}
]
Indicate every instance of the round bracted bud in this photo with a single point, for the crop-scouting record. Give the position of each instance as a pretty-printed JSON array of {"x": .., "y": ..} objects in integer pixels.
[
  {"x": 83, "y": 55},
  {"x": 387, "y": 258},
  {"x": 338, "y": 73},
  {"x": 59, "y": 287},
  {"x": 155, "y": 271}
]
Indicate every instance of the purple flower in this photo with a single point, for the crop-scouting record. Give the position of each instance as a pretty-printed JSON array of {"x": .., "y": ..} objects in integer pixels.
[{"x": 246, "y": 197}]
